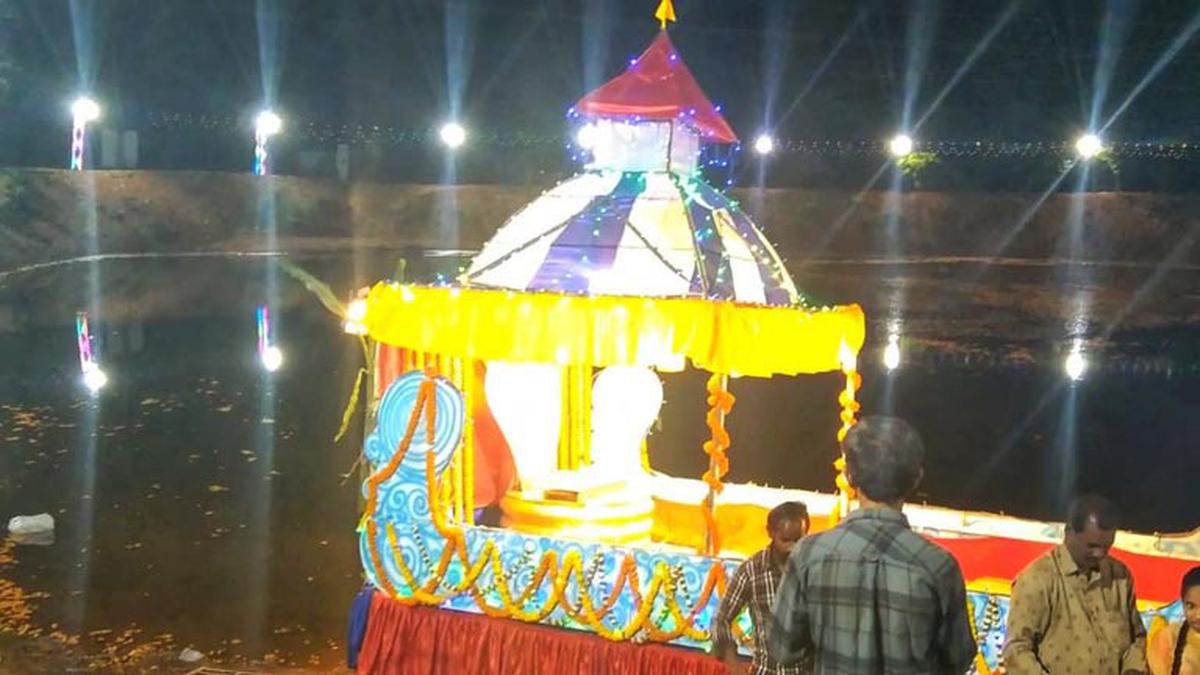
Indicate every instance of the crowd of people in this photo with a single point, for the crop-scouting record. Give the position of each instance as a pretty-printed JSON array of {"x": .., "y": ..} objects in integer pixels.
[{"x": 870, "y": 596}]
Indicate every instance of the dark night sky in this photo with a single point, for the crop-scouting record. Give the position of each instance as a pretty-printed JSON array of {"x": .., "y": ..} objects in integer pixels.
[{"x": 524, "y": 61}]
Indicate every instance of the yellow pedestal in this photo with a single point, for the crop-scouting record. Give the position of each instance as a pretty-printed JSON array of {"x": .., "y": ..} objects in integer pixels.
[{"x": 614, "y": 519}]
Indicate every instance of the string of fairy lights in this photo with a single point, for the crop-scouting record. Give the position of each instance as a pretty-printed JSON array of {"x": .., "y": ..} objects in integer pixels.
[{"x": 327, "y": 133}]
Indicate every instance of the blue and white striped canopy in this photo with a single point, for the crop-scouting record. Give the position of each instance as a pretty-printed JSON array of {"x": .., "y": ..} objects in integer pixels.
[{"x": 654, "y": 234}]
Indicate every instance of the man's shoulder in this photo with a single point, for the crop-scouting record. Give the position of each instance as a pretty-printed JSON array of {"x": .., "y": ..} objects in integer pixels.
[
  {"x": 827, "y": 541},
  {"x": 1042, "y": 567},
  {"x": 1118, "y": 569},
  {"x": 927, "y": 555},
  {"x": 848, "y": 538},
  {"x": 756, "y": 561}
]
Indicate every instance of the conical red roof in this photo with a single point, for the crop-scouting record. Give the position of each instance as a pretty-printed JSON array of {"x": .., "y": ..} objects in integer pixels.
[{"x": 658, "y": 86}]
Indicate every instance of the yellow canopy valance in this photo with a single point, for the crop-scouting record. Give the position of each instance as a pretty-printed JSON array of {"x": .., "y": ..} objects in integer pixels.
[{"x": 724, "y": 337}]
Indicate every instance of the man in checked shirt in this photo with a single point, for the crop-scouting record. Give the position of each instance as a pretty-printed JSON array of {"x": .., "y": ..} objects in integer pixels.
[
  {"x": 870, "y": 596},
  {"x": 754, "y": 586}
]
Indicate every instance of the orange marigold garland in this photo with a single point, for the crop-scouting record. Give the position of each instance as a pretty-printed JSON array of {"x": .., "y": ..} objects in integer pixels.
[
  {"x": 847, "y": 399},
  {"x": 720, "y": 402}
]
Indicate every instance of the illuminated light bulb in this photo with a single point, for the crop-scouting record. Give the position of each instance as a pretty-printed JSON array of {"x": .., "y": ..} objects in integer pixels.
[
  {"x": 891, "y": 353},
  {"x": 1088, "y": 146},
  {"x": 625, "y": 402},
  {"x": 94, "y": 378},
  {"x": 526, "y": 400},
  {"x": 85, "y": 110},
  {"x": 453, "y": 135},
  {"x": 586, "y": 137},
  {"x": 900, "y": 146},
  {"x": 1075, "y": 365},
  {"x": 356, "y": 314},
  {"x": 272, "y": 359},
  {"x": 267, "y": 124},
  {"x": 357, "y": 310},
  {"x": 764, "y": 145}
]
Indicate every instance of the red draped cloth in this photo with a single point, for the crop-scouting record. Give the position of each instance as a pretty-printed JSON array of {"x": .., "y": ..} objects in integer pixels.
[
  {"x": 403, "y": 640},
  {"x": 1156, "y": 578}
]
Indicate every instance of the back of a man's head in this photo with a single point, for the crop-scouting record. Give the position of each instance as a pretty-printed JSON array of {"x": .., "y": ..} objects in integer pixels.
[{"x": 884, "y": 457}]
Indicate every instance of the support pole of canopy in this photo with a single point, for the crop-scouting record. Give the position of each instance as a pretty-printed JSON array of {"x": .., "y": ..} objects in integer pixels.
[
  {"x": 720, "y": 402},
  {"x": 585, "y": 412},
  {"x": 566, "y": 422},
  {"x": 574, "y": 447}
]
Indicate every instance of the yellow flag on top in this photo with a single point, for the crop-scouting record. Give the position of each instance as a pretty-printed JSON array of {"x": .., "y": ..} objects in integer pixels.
[{"x": 665, "y": 13}]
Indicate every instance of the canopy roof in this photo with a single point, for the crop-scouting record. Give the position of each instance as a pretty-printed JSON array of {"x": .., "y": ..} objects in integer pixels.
[
  {"x": 635, "y": 233},
  {"x": 658, "y": 86},
  {"x": 600, "y": 331}
]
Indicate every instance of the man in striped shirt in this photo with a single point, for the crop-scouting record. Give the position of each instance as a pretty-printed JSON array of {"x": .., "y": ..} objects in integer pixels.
[
  {"x": 753, "y": 587},
  {"x": 870, "y": 596}
]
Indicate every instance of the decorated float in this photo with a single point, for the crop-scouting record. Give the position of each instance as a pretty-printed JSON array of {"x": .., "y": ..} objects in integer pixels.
[{"x": 533, "y": 380}]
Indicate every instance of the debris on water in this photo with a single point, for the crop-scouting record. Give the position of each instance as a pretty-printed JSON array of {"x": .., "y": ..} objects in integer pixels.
[
  {"x": 217, "y": 488},
  {"x": 190, "y": 655},
  {"x": 25, "y": 525}
]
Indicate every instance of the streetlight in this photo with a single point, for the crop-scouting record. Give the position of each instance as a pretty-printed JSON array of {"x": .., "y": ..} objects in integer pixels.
[
  {"x": 900, "y": 146},
  {"x": 1088, "y": 146},
  {"x": 764, "y": 144},
  {"x": 453, "y": 135},
  {"x": 266, "y": 125},
  {"x": 83, "y": 111}
]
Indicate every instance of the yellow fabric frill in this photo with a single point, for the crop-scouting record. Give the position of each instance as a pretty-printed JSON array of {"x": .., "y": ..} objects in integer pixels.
[{"x": 722, "y": 337}]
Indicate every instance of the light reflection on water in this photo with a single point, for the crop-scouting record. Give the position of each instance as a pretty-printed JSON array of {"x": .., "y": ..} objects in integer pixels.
[{"x": 201, "y": 498}]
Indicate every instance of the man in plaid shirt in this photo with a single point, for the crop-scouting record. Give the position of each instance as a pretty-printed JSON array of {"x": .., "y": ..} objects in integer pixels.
[
  {"x": 870, "y": 596},
  {"x": 754, "y": 586}
]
